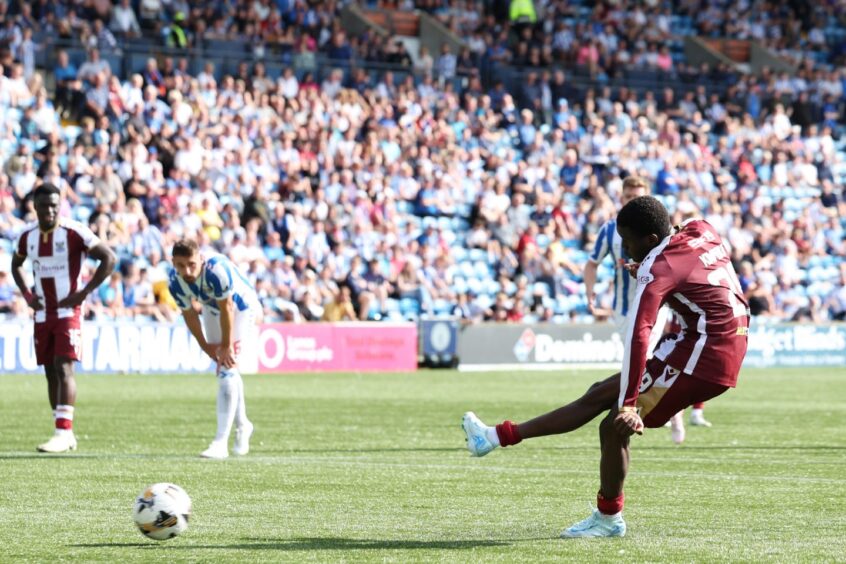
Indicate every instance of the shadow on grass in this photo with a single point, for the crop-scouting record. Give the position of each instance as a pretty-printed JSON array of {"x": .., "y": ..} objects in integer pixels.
[
  {"x": 354, "y": 450},
  {"x": 316, "y": 543},
  {"x": 688, "y": 447}
]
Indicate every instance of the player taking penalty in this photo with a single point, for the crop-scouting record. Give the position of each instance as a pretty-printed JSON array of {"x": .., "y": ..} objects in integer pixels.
[
  {"x": 56, "y": 248},
  {"x": 227, "y": 333},
  {"x": 687, "y": 268}
]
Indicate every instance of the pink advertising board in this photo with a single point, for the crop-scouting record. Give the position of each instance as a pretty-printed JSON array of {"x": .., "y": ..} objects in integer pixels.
[{"x": 338, "y": 347}]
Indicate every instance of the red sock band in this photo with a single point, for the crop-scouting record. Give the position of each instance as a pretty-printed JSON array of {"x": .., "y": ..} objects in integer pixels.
[
  {"x": 62, "y": 423},
  {"x": 508, "y": 434},
  {"x": 609, "y": 506},
  {"x": 699, "y": 405}
]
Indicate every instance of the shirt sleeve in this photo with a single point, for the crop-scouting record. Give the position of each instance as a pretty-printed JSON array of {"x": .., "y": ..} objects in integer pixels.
[
  {"x": 654, "y": 282},
  {"x": 219, "y": 277},
  {"x": 602, "y": 244},
  {"x": 89, "y": 239},
  {"x": 183, "y": 301}
]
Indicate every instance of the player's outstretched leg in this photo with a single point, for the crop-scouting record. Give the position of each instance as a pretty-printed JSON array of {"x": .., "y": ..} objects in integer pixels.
[
  {"x": 600, "y": 397},
  {"x": 243, "y": 426}
]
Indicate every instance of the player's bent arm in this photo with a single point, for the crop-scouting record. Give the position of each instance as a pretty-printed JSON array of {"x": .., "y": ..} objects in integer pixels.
[
  {"x": 107, "y": 261},
  {"x": 192, "y": 321},
  {"x": 652, "y": 287},
  {"x": 590, "y": 280},
  {"x": 227, "y": 307},
  {"x": 225, "y": 354},
  {"x": 18, "y": 276}
]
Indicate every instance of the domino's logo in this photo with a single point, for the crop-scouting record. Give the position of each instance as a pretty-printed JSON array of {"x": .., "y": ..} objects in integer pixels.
[{"x": 524, "y": 345}]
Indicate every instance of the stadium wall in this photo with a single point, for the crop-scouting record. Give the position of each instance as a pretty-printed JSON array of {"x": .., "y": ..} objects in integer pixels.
[
  {"x": 548, "y": 346},
  {"x": 110, "y": 347}
]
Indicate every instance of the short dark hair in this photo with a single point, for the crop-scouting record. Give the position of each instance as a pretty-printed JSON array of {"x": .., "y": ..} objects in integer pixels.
[
  {"x": 185, "y": 248},
  {"x": 644, "y": 216},
  {"x": 46, "y": 189}
]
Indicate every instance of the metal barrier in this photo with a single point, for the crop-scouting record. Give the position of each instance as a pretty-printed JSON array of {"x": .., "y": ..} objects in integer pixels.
[{"x": 227, "y": 55}]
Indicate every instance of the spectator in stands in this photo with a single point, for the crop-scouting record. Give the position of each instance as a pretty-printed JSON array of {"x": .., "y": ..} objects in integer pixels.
[
  {"x": 358, "y": 164},
  {"x": 124, "y": 22},
  {"x": 7, "y": 293},
  {"x": 340, "y": 308},
  {"x": 92, "y": 66},
  {"x": 447, "y": 63}
]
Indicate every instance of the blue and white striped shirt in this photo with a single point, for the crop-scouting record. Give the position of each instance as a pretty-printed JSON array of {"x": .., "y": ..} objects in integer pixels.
[
  {"x": 218, "y": 280},
  {"x": 609, "y": 242}
]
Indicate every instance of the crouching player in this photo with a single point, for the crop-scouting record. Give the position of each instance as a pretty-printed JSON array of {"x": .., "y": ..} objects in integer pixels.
[
  {"x": 689, "y": 270},
  {"x": 228, "y": 333}
]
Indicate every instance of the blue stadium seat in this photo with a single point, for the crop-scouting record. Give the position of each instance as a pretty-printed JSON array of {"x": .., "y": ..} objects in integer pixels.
[
  {"x": 478, "y": 255},
  {"x": 409, "y": 305},
  {"x": 458, "y": 253}
]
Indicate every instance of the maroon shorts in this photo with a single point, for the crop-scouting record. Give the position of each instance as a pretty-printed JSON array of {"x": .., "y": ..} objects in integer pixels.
[
  {"x": 58, "y": 338},
  {"x": 665, "y": 391}
]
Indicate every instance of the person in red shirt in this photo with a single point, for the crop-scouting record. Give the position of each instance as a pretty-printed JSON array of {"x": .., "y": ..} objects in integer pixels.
[
  {"x": 689, "y": 269},
  {"x": 56, "y": 248}
]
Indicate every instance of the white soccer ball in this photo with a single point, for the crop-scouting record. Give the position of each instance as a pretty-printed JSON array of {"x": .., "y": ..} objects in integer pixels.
[{"x": 162, "y": 511}]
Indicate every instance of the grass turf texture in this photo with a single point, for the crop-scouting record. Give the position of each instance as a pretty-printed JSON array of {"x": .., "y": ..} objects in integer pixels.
[{"x": 372, "y": 467}]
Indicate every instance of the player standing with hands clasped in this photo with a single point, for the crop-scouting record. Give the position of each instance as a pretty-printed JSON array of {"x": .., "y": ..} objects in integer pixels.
[
  {"x": 228, "y": 333},
  {"x": 56, "y": 248},
  {"x": 688, "y": 268}
]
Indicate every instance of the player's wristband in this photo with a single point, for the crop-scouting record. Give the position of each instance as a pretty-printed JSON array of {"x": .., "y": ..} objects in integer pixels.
[{"x": 628, "y": 409}]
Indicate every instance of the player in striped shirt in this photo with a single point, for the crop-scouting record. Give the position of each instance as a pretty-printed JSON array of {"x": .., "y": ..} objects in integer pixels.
[
  {"x": 56, "y": 248},
  {"x": 688, "y": 268},
  {"x": 609, "y": 243},
  {"x": 227, "y": 332}
]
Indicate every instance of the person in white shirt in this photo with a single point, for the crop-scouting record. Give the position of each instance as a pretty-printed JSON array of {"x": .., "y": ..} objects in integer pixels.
[{"x": 124, "y": 20}]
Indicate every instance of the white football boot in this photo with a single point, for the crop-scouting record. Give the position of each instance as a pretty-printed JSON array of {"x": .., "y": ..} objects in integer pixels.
[
  {"x": 597, "y": 525},
  {"x": 216, "y": 450},
  {"x": 61, "y": 441},
  {"x": 242, "y": 439},
  {"x": 697, "y": 419},
  {"x": 477, "y": 435}
]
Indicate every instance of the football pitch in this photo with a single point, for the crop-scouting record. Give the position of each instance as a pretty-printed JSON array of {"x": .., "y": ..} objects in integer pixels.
[{"x": 373, "y": 468}]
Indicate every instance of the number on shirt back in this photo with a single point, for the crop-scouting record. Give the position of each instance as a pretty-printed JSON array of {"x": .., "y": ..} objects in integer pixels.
[{"x": 725, "y": 277}]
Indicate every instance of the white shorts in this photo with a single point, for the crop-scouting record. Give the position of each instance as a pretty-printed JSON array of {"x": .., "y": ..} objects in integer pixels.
[{"x": 245, "y": 336}]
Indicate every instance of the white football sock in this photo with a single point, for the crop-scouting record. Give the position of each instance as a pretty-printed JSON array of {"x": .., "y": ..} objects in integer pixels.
[
  {"x": 227, "y": 403},
  {"x": 241, "y": 411},
  {"x": 492, "y": 436}
]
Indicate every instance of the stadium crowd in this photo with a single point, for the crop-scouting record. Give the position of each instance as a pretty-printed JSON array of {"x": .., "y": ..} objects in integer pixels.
[{"x": 366, "y": 196}]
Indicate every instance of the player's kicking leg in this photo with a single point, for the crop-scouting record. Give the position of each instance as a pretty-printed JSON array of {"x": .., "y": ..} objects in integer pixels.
[
  {"x": 62, "y": 388},
  {"x": 482, "y": 439}
]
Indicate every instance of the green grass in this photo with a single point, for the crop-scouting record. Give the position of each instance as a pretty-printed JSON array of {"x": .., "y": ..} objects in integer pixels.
[{"x": 372, "y": 467}]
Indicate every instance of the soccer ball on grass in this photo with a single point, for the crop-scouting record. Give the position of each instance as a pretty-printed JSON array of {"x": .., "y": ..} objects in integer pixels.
[{"x": 162, "y": 511}]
